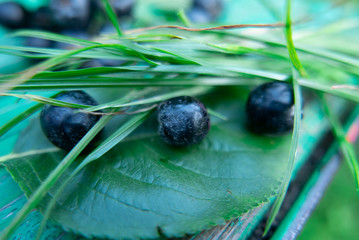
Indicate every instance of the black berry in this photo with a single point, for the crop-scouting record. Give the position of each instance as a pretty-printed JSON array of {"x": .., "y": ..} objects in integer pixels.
[
  {"x": 65, "y": 127},
  {"x": 199, "y": 15},
  {"x": 204, "y": 11},
  {"x": 270, "y": 109},
  {"x": 122, "y": 7},
  {"x": 13, "y": 15},
  {"x": 182, "y": 121},
  {"x": 71, "y": 14},
  {"x": 42, "y": 19}
]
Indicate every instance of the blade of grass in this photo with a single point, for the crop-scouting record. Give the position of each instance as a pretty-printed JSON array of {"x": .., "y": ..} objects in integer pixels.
[
  {"x": 112, "y": 16},
  {"x": 225, "y": 27},
  {"x": 45, "y": 100},
  {"x": 107, "y": 145},
  {"x": 16, "y": 120},
  {"x": 53, "y": 37},
  {"x": 31, "y": 72},
  {"x": 116, "y": 104},
  {"x": 346, "y": 147},
  {"x": 38, "y": 195},
  {"x": 297, "y": 69},
  {"x": 183, "y": 18}
]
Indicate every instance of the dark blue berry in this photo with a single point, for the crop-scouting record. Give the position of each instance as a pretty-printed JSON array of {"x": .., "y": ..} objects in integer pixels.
[
  {"x": 65, "y": 127},
  {"x": 199, "y": 15},
  {"x": 122, "y": 7},
  {"x": 13, "y": 15},
  {"x": 270, "y": 109},
  {"x": 182, "y": 121},
  {"x": 42, "y": 19},
  {"x": 204, "y": 11},
  {"x": 213, "y": 7},
  {"x": 71, "y": 14}
]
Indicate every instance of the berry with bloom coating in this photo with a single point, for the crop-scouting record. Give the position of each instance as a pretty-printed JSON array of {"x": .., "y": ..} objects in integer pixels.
[
  {"x": 182, "y": 121},
  {"x": 65, "y": 127}
]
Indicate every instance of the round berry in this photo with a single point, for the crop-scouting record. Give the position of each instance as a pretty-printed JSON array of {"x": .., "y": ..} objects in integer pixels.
[
  {"x": 71, "y": 14},
  {"x": 13, "y": 15},
  {"x": 65, "y": 127},
  {"x": 182, "y": 121},
  {"x": 270, "y": 109},
  {"x": 122, "y": 7},
  {"x": 42, "y": 19},
  {"x": 199, "y": 15},
  {"x": 212, "y": 7}
]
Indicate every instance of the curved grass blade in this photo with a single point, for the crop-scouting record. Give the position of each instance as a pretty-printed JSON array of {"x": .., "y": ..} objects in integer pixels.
[
  {"x": 107, "y": 145},
  {"x": 346, "y": 147},
  {"x": 53, "y": 37},
  {"x": 297, "y": 69},
  {"x": 31, "y": 72},
  {"x": 38, "y": 195},
  {"x": 225, "y": 27},
  {"x": 13, "y": 122},
  {"x": 45, "y": 100},
  {"x": 112, "y": 16},
  {"x": 117, "y": 104}
]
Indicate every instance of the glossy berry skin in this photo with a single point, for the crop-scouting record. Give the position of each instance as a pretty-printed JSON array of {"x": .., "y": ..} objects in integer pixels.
[
  {"x": 71, "y": 14},
  {"x": 65, "y": 127},
  {"x": 183, "y": 121},
  {"x": 13, "y": 15},
  {"x": 270, "y": 109}
]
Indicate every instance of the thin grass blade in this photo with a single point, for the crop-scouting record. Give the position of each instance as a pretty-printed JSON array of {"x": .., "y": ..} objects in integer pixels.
[
  {"x": 297, "y": 69},
  {"x": 346, "y": 147},
  {"x": 19, "y": 118},
  {"x": 112, "y": 16},
  {"x": 107, "y": 145},
  {"x": 38, "y": 195}
]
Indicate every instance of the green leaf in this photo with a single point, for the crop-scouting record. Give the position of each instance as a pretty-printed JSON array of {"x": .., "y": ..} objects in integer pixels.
[{"x": 143, "y": 185}]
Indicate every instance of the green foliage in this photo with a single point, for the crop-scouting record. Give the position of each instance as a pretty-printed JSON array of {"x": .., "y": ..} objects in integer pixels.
[
  {"x": 143, "y": 180},
  {"x": 137, "y": 177}
]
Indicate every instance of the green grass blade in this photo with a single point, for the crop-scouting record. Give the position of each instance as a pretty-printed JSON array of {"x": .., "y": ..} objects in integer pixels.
[
  {"x": 16, "y": 120},
  {"x": 38, "y": 195},
  {"x": 112, "y": 16},
  {"x": 45, "y": 100},
  {"x": 116, "y": 104},
  {"x": 31, "y": 72},
  {"x": 290, "y": 45},
  {"x": 107, "y": 145},
  {"x": 346, "y": 147},
  {"x": 53, "y": 37},
  {"x": 183, "y": 18},
  {"x": 297, "y": 69}
]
